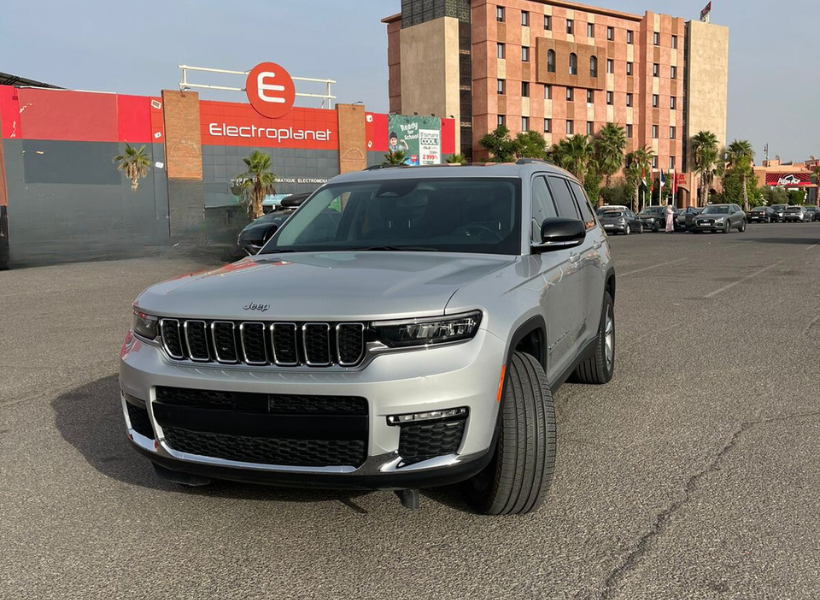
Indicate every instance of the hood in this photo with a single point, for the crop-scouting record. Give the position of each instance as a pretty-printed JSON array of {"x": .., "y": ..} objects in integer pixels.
[{"x": 328, "y": 286}]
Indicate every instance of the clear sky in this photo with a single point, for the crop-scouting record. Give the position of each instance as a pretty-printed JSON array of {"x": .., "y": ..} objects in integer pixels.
[{"x": 135, "y": 47}]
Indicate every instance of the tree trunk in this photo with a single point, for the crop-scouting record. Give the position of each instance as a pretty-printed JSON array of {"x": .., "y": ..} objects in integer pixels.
[
  {"x": 635, "y": 202},
  {"x": 135, "y": 181},
  {"x": 745, "y": 196}
]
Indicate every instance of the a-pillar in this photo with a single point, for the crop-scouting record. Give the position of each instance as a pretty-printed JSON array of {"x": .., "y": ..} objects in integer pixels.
[{"x": 183, "y": 156}]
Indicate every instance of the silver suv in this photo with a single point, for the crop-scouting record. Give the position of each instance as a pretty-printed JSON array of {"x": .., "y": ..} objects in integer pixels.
[{"x": 405, "y": 328}]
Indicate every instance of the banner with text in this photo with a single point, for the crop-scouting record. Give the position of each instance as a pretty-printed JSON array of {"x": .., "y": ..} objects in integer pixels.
[{"x": 418, "y": 137}]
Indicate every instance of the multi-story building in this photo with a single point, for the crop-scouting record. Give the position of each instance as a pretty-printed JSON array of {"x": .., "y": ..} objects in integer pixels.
[{"x": 561, "y": 68}]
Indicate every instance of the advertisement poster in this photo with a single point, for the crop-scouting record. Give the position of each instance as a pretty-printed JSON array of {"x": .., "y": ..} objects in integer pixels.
[{"x": 418, "y": 137}]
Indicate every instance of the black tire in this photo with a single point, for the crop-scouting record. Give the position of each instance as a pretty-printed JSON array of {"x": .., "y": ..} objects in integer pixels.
[
  {"x": 727, "y": 228},
  {"x": 628, "y": 229},
  {"x": 742, "y": 227},
  {"x": 656, "y": 228},
  {"x": 517, "y": 479},
  {"x": 598, "y": 369},
  {"x": 640, "y": 228}
]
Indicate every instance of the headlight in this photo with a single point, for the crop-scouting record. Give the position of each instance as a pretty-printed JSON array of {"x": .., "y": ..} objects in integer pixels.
[
  {"x": 426, "y": 332},
  {"x": 719, "y": 220},
  {"x": 145, "y": 325}
]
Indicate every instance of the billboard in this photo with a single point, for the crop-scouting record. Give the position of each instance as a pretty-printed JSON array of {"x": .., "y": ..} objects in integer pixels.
[{"x": 418, "y": 137}]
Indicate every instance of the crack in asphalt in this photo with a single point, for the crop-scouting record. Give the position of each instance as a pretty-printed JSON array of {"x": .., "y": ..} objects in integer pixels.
[{"x": 619, "y": 573}]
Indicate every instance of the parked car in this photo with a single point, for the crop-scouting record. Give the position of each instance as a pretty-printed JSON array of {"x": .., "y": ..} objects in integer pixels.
[
  {"x": 684, "y": 219},
  {"x": 796, "y": 214},
  {"x": 259, "y": 231},
  {"x": 653, "y": 217},
  {"x": 778, "y": 212},
  {"x": 620, "y": 220},
  {"x": 760, "y": 214},
  {"x": 414, "y": 340},
  {"x": 811, "y": 211},
  {"x": 720, "y": 217}
]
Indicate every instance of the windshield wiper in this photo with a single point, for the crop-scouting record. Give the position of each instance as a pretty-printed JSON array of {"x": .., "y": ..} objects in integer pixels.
[{"x": 395, "y": 249}]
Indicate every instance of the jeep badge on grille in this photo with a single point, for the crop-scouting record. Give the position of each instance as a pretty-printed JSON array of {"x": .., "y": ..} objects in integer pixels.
[{"x": 255, "y": 306}]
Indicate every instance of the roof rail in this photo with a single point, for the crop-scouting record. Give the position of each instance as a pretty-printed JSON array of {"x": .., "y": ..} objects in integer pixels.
[
  {"x": 377, "y": 167},
  {"x": 529, "y": 161}
]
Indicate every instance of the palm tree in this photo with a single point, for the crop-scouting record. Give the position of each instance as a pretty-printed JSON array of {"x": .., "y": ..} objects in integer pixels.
[
  {"x": 740, "y": 157},
  {"x": 575, "y": 154},
  {"x": 610, "y": 146},
  {"x": 395, "y": 157},
  {"x": 456, "y": 159},
  {"x": 257, "y": 182},
  {"x": 135, "y": 163},
  {"x": 640, "y": 161},
  {"x": 706, "y": 158}
]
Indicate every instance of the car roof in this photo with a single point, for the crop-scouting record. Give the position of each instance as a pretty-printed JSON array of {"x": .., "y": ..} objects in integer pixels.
[{"x": 520, "y": 169}]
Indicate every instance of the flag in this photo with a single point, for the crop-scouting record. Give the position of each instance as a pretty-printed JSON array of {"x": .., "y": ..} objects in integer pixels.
[
  {"x": 643, "y": 176},
  {"x": 660, "y": 180},
  {"x": 673, "y": 185}
]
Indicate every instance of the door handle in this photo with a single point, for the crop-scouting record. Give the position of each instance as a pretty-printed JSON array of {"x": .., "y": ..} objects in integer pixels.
[
  {"x": 574, "y": 258},
  {"x": 598, "y": 245}
]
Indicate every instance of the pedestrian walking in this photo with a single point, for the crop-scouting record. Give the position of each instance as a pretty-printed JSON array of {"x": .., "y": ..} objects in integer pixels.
[{"x": 670, "y": 216}]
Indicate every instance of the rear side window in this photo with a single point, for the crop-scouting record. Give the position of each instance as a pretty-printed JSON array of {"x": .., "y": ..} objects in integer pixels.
[
  {"x": 583, "y": 204},
  {"x": 563, "y": 198},
  {"x": 542, "y": 206}
]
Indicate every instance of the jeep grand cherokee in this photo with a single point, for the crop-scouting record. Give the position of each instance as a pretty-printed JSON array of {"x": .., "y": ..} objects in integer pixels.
[{"x": 405, "y": 328}]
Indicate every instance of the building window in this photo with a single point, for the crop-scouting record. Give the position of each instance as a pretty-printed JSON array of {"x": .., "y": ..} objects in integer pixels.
[
  {"x": 656, "y": 38},
  {"x": 671, "y": 163},
  {"x": 502, "y": 84},
  {"x": 656, "y": 70},
  {"x": 500, "y": 51},
  {"x": 655, "y": 100},
  {"x": 525, "y": 123},
  {"x": 570, "y": 128},
  {"x": 573, "y": 64},
  {"x": 629, "y": 131},
  {"x": 673, "y": 72},
  {"x": 610, "y": 33},
  {"x": 610, "y": 65},
  {"x": 590, "y": 97},
  {"x": 654, "y": 162},
  {"x": 570, "y": 95},
  {"x": 499, "y": 14},
  {"x": 674, "y": 43},
  {"x": 547, "y": 125},
  {"x": 547, "y": 22},
  {"x": 589, "y": 128},
  {"x": 593, "y": 66},
  {"x": 525, "y": 18},
  {"x": 525, "y": 54},
  {"x": 629, "y": 69},
  {"x": 673, "y": 103},
  {"x": 525, "y": 89},
  {"x": 569, "y": 26},
  {"x": 502, "y": 120},
  {"x": 609, "y": 98},
  {"x": 590, "y": 30},
  {"x": 551, "y": 61},
  {"x": 629, "y": 99},
  {"x": 672, "y": 132},
  {"x": 654, "y": 132},
  {"x": 547, "y": 92},
  {"x": 629, "y": 35}
]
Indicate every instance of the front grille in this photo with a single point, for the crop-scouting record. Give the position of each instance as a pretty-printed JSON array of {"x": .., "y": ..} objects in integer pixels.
[
  {"x": 422, "y": 441},
  {"x": 260, "y": 343},
  {"x": 139, "y": 420},
  {"x": 275, "y": 404},
  {"x": 260, "y": 450}
]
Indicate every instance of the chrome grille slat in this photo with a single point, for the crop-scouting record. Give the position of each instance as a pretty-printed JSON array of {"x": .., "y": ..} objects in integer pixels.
[{"x": 258, "y": 343}]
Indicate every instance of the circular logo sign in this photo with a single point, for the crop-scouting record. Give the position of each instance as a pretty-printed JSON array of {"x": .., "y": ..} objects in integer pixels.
[{"x": 270, "y": 90}]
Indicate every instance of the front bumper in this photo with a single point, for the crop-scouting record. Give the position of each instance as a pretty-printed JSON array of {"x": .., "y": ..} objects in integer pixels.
[
  {"x": 709, "y": 227},
  {"x": 415, "y": 381}
]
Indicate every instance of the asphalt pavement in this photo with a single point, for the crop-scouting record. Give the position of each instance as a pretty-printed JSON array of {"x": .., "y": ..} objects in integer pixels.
[{"x": 693, "y": 474}]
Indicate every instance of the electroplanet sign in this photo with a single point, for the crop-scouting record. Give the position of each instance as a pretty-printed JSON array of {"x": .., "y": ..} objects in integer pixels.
[{"x": 271, "y": 133}]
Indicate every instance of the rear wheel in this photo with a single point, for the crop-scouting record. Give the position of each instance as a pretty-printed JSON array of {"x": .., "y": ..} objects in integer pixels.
[
  {"x": 742, "y": 227},
  {"x": 599, "y": 368},
  {"x": 517, "y": 479},
  {"x": 628, "y": 229},
  {"x": 657, "y": 227}
]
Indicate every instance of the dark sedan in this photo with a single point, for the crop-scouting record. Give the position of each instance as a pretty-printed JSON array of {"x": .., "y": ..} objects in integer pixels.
[
  {"x": 653, "y": 217},
  {"x": 620, "y": 220},
  {"x": 257, "y": 232},
  {"x": 812, "y": 212},
  {"x": 761, "y": 214},
  {"x": 720, "y": 217},
  {"x": 778, "y": 212},
  {"x": 685, "y": 218}
]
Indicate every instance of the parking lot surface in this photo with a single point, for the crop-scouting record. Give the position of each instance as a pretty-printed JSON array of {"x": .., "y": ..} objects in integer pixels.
[{"x": 694, "y": 474}]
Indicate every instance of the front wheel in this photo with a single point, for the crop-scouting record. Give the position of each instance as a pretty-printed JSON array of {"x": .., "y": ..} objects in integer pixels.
[
  {"x": 517, "y": 479},
  {"x": 656, "y": 228},
  {"x": 726, "y": 228},
  {"x": 640, "y": 228}
]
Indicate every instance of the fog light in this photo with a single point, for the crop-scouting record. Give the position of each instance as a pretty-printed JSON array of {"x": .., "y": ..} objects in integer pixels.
[{"x": 429, "y": 415}]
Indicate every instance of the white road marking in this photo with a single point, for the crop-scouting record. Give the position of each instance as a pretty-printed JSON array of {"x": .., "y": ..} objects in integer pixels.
[
  {"x": 731, "y": 285},
  {"x": 673, "y": 262},
  {"x": 815, "y": 246}
]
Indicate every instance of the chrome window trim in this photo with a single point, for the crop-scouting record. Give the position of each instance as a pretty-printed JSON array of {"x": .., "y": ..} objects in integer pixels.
[
  {"x": 246, "y": 360},
  {"x": 309, "y": 362},
  {"x": 164, "y": 342},
  {"x": 342, "y": 363},
  {"x": 276, "y": 361},
  {"x": 216, "y": 346},
  {"x": 188, "y": 344}
]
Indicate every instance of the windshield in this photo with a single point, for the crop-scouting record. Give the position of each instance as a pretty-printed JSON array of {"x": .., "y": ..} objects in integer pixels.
[
  {"x": 480, "y": 215},
  {"x": 716, "y": 210},
  {"x": 795, "y": 208}
]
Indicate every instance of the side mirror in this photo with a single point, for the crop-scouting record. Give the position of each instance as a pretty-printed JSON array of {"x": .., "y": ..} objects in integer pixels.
[
  {"x": 558, "y": 233},
  {"x": 269, "y": 233}
]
